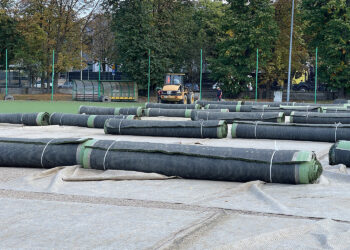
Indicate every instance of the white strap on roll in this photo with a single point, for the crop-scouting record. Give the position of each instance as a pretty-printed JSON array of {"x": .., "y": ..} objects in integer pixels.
[
  {"x": 201, "y": 123},
  {"x": 208, "y": 116},
  {"x": 104, "y": 158},
  {"x": 61, "y": 119},
  {"x": 256, "y": 124},
  {"x": 273, "y": 154},
  {"x": 42, "y": 154},
  {"x": 22, "y": 118},
  {"x": 121, "y": 121},
  {"x": 335, "y": 132}
]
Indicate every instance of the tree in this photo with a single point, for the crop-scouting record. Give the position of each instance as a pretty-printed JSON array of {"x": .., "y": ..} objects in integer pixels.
[
  {"x": 247, "y": 26},
  {"x": 277, "y": 67},
  {"x": 101, "y": 46},
  {"x": 327, "y": 26},
  {"x": 61, "y": 25},
  {"x": 10, "y": 37}
]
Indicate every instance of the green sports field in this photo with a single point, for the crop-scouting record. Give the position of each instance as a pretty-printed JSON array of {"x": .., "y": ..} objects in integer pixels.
[{"x": 55, "y": 106}]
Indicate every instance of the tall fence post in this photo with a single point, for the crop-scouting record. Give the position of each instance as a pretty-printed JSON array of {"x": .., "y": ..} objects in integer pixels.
[
  {"x": 149, "y": 73},
  {"x": 53, "y": 73},
  {"x": 200, "y": 77},
  {"x": 6, "y": 73},
  {"x": 316, "y": 77},
  {"x": 256, "y": 75}
]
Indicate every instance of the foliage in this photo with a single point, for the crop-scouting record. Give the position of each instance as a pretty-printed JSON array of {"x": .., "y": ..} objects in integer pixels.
[
  {"x": 247, "y": 26},
  {"x": 277, "y": 67},
  {"x": 327, "y": 26}
]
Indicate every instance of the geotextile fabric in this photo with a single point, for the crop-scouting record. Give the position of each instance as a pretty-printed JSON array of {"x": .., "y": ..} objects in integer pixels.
[
  {"x": 80, "y": 120},
  {"x": 41, "y": 153},
  {"x": 291, "y": 131},
  {"x": 339, "y": 153},
  {"x": 191, "y": 129},
  {"x": 172, "y": 106},
  {"x": 29, "y": 119},
  {"x": 203, "y": 162},
  {"x": 239, "y": 116},
  {"x": 319, "y": 118},
  {"x": 92, "y": 110}
]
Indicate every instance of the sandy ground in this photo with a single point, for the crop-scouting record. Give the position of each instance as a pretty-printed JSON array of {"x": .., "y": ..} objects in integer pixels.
[{"x": 39, "y": 209}]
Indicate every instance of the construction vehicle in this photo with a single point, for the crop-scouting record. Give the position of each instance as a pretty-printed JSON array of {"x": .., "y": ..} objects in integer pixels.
[{"x": 174, "y": 90}]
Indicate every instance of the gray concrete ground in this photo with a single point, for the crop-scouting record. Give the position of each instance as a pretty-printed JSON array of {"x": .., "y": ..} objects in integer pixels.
[{"x": 40, "y": 209}]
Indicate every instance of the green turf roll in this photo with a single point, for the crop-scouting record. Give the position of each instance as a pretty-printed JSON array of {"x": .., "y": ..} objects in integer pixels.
[
  {"x": 203, "y": 162},
  {"x": 28, "y": 119},
  {"x": 339, "y": 153}
]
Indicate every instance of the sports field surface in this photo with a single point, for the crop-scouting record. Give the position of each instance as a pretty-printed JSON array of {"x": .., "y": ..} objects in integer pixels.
[{"x": 56, "y": 106}]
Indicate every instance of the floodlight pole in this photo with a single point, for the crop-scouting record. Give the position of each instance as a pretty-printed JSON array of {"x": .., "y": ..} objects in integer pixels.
[
  {"x": 99, "y": 79},
  {"x": 290, "y": 50},
  {"x": 149, "y": 73},
  {"x": 53, "y": 73},
  {"x": 316, "y": 77},
  {"x": 6, "y": 71},
  {"x": 256, "y": 75},
  {"x": 200, "y": 77}
]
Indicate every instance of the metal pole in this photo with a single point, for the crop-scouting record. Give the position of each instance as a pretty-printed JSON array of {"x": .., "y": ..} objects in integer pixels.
[
  {"x": 149, "y": 72},
  {"x": 99, "y": 79},
  {"x": 256, "y": 73},
  {"x": 53, "y": 73},
  {"x": 290, "y": 50},
  {"x": 200, "y": 77},
  {"x": 81, "y": 64},
  {"x": 6, "y": 72},
  {"x": 316, "y": 77}
]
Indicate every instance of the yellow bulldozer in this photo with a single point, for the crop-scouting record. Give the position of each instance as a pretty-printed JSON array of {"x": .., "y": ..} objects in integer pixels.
[{"x": 174, "y": 90}]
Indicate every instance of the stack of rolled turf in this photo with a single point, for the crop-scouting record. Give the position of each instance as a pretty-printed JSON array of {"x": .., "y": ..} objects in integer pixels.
[{"x": 186, "y": 161}]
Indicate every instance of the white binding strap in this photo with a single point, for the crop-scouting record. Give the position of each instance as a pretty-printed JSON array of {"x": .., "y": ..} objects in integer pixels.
[
  {"x": 273, "y": 154},
  {"x": 22, "y": 118},
  {"x": 208, "y": 115},
  {"x": 104, "y": 158},
  {"x": 42, "y": 154},
  {"x": 256, "y": 124},
  {"x": 121, "y": 121},
  {"x": 335, "y": 132},
  {"x": 61, "y": 119},
  {"x": 201, "y": 123}
]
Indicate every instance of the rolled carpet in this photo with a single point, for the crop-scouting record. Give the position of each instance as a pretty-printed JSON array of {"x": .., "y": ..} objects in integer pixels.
[
  {"x": 233, "y": 108},
  {"x": 41, "y": 153},
  {"x": 191, "y": 129},
  {"x": 339, "y": 153},
  {"x": 89, "y": 121},
  {"x": 202, "y": 162},
  {"x": 172, "y": 106},
  {"x": 336, "y": 110},
  {"x": 29, "y": 119},
  {"x": 204, "y": 103},
  {"x": 291, "y": 131},
  {"x": 287, "y": 110},
  {"x": 239, "y": 116},
  {"x": 92, "y": 110},
  {"x": 319, "y": 118},
  {"x": 154, "y": 112}
]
